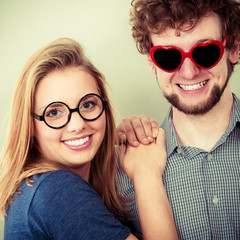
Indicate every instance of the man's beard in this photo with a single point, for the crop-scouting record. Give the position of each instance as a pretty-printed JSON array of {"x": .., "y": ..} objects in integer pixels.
[{"x": 204, "y": 107}]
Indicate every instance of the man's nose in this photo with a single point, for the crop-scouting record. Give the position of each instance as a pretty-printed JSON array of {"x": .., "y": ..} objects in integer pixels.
[{"x": 189, "y": 70}]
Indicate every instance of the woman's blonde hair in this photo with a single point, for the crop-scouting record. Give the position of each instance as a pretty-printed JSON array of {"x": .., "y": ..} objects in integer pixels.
[{"x": 21, "y": 158}]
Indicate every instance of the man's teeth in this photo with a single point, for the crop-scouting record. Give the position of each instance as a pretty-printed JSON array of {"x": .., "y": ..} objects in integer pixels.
[
  {"x": 77, "y": 142},
  {"x": 192, "y": 87}
]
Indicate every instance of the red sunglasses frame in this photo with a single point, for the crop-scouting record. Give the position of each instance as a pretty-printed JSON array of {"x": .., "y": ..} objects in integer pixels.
[{"x": 220, "y": 44}]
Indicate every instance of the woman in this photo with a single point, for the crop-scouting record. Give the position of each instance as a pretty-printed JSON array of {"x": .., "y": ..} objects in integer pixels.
[{"x": 58, "y": 168}]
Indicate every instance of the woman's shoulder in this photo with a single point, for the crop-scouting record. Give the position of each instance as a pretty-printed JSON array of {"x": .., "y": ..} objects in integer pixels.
[
  {"x": 57, "y": 174},
  {"x": 56, "y": 185},
  {"x": 47, "y": 184},
  {"x": 61, "y": 187},
  {"x": 65, "y": 197},
  {"x": 57, "y": 177},
  {"x": 41, "y": 193},
  {"x": 49, "y": 188},
  {"x": 50, "y": 182},
  {"x": 62, "y": 204}
]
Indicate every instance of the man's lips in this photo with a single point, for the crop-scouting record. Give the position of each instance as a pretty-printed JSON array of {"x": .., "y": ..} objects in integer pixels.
[{"x": 193, "y": 86}]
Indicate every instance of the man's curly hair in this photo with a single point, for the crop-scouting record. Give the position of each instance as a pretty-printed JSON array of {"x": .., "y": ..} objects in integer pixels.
[{"x": 154, "y": 16}]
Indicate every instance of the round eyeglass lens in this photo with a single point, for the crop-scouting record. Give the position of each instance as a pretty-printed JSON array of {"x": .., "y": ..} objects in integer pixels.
[
  {"x": 56, "y": 115},
  {"x": 91, "y": 107}
]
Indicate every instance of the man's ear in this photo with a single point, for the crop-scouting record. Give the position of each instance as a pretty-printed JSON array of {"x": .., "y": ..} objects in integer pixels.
[
  {"x": 234, "y": 54},
  {"x": 151, "y": 64}
]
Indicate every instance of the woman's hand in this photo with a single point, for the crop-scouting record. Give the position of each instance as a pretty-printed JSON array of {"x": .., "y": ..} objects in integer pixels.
[
  {"x": 145, "y": 165},
  {"x": 145, "y": 160}
]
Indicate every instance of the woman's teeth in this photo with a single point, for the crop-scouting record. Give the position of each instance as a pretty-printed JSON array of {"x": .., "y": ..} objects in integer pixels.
[
  {"x": 192, "y": 87},
  {"x": 77, "y": 142}
]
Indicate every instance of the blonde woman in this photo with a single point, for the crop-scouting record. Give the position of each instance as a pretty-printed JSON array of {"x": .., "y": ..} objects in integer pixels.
[{"x": 58, "y": 168}]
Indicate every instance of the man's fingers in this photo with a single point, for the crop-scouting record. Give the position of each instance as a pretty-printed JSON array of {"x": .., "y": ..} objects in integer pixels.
[
  {"x": 126, "y": 133},
  {"x": 139, "y": 124},
  {"x": 121, "y": 137},
  {"x": 150, "y": 127},
  {"x": 138, "y": 129},
  {"x": 155, "y": 128},
  {"x": 147, "y": 127}
]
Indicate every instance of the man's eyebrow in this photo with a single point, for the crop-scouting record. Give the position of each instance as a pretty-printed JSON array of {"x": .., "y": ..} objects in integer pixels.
[
  {"x": 199, "y": 41},
  {"x": 204, "y": 40}
]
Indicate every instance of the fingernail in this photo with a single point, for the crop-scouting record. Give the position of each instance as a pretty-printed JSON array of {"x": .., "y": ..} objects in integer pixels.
[
  {"x": 155, "y": 133},
  {"x": 150, "y": 138},
  {"x": 145, "y": 140},
  {"x": 135, "y": 143}
]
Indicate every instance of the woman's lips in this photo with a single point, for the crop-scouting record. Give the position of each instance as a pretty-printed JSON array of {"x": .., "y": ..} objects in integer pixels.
[{"x": 78, "y": 144}]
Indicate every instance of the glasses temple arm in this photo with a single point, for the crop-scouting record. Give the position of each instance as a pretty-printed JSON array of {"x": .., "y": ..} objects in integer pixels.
[{"x": 39, "y": 118}]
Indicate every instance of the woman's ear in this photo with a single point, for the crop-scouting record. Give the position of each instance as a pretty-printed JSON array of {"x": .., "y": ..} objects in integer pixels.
[
  {"x": 151, "y": 64},
  {"x": 234, "y": 54}
]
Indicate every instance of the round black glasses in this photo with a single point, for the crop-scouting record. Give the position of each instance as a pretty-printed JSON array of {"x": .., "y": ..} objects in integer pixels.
[{"x": 57, "y": 114}]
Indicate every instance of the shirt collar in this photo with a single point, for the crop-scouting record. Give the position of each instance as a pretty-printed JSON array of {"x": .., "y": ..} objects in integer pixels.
[
  {"x": 170, "y": 134},
  {"x": 171, "y": 138},
  {"x": 235, "y": 116}
]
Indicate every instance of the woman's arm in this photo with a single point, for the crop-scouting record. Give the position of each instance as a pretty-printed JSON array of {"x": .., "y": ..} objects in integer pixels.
[{"x": 145, "y": 165}]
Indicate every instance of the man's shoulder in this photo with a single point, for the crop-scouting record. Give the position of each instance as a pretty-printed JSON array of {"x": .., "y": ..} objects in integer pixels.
[
  {"x": 236, "y": 101},
  {"x": 236, "y": 109}
]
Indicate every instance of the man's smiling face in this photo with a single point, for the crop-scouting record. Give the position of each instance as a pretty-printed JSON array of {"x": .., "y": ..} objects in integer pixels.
[{"x": 191, "y": 89}]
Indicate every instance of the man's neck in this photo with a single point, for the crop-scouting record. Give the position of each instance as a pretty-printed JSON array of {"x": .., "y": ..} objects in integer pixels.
[{"x": 203, "y": 131}]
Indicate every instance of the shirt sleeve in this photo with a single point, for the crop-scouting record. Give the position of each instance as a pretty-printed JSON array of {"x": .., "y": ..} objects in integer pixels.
[{"x": 66, "y": 207}]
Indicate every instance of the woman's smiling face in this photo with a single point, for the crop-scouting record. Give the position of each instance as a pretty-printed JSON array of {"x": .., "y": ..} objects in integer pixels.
[{"x": 76, "y": 144}]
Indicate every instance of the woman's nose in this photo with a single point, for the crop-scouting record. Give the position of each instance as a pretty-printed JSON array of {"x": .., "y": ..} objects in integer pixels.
[{"x": 76, "y": 123}]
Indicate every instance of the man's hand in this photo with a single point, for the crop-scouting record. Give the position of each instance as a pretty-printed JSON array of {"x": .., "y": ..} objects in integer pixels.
[{"x": 136, "y": 130}]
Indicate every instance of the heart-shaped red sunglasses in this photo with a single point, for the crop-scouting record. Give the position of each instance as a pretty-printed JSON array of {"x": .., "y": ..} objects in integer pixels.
[{"x": 204, "y": 55}]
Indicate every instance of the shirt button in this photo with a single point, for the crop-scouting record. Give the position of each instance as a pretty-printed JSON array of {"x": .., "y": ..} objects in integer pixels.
[
  {"x": 215, "y": 200},
  {"x": 209, "y": 157},
  {"x": 179, "y": 150}
]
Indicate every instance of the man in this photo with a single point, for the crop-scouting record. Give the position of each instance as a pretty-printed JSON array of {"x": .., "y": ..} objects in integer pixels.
[{"x": 192, "y": 47}]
